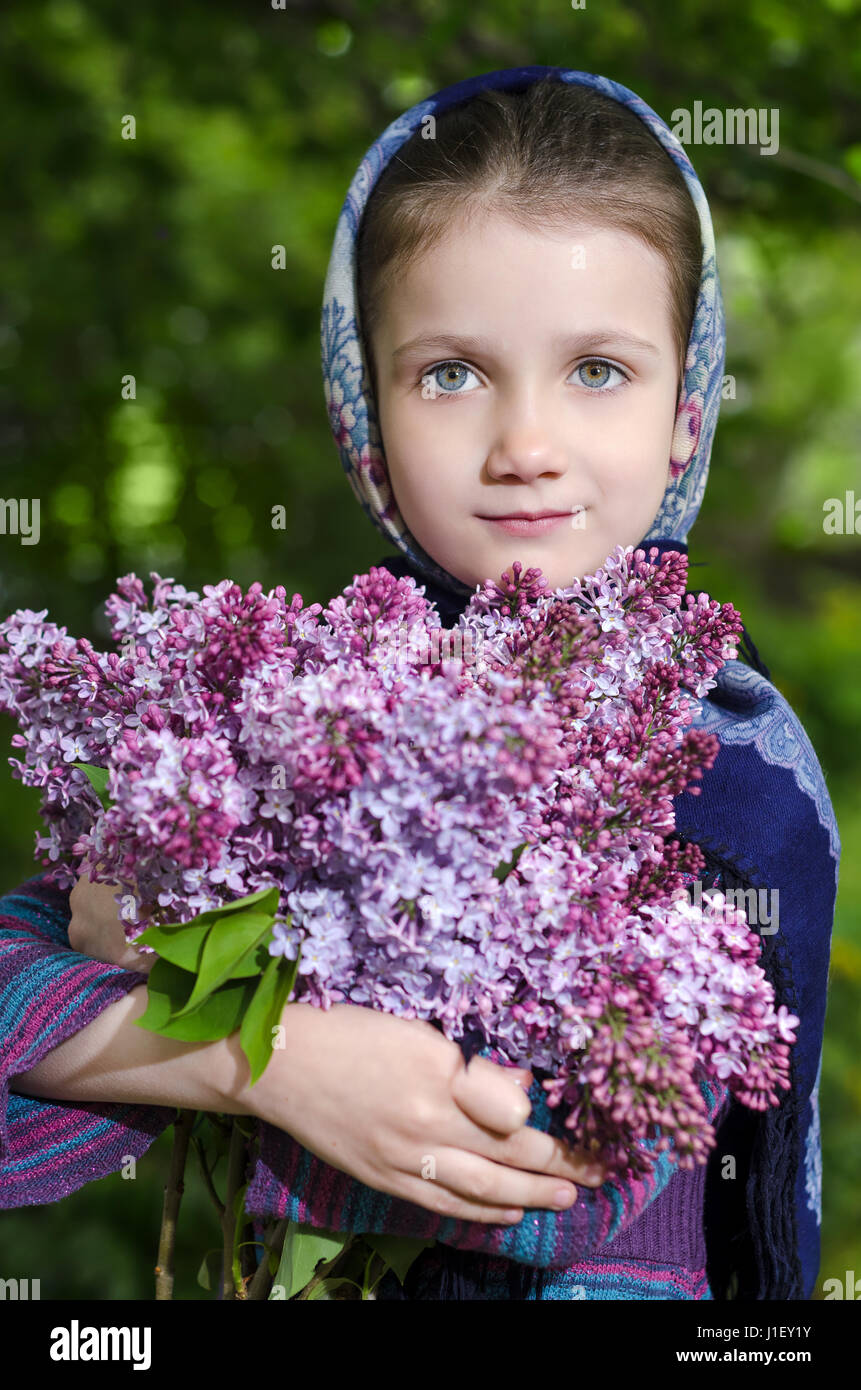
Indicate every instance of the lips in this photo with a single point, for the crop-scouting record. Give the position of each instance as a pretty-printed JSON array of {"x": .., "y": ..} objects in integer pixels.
[
  {"x": 526, "y": 516},
  {"x": 531, "y": 523}
]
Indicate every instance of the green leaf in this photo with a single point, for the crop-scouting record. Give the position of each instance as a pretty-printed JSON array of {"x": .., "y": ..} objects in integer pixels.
[
  {"x": 265, "y": 898},
  {"x": 254, "y": 963},
  {"x": 98, "y": 779},
  {"x": 503, "y": 870},
  {"x": 203, "y": 1275},
  {"x": 181, "y": 942},
  {"x": 304, "y": 1247},
  {"x": 264, "y": 1012},
  {"x": 181, "y": 945},
  {"x": 229, "y": 944},
  {"x": 168, "y": 988},
  {"x": 398, "y": 1252}
]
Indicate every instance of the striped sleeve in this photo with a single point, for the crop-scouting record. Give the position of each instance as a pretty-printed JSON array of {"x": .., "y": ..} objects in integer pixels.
[{"x": 48, "y": 992}]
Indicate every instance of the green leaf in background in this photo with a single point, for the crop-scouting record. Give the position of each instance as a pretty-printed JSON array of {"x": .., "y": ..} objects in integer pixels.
[
  {"x": 98, "y": 779},
  {"x": 204, "y": 1278},
  {"x": 168, "y": 988},
  {"x": 399, "y": 1252},
  {"x": 304, "y": 1247},
  {"x": 264, "y": 1012}
]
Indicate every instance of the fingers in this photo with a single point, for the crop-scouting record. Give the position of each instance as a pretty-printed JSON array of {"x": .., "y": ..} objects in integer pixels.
[
  {"x": 97, "y": 929},
  {"x": 467, "y": 1187},
  {"x": 530, "y": 1150},
  {"x": 482, "y": 1092},
  {"x": 543, "y": 1153},
  {"x": 436, "y": 1198}
]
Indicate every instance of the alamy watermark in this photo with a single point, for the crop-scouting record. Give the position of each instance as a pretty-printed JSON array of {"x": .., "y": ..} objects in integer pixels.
[
  {"x": 733, "y": 126},
  {"x": 76, "y": 1343},
  {"x": 20, "y": 517},
  {"x": 414, "y": 644},
  {"x": 843, "y": 515},
  {"x": 760, "y": 905},
  {"x": 20, "y": 1289}
]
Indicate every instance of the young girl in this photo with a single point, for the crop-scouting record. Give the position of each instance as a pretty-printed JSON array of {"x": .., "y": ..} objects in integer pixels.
[{"x": 522, "y": 320}]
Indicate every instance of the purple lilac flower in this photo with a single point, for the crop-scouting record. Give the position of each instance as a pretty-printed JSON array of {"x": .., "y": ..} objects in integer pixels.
[{"x": 481, "y": 842}]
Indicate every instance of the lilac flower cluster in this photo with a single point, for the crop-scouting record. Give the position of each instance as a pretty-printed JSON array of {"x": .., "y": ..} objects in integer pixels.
[{"x": 484, "y": 844}]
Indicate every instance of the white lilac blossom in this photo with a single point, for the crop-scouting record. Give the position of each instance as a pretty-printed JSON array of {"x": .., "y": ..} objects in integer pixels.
[{"x": 483, "y": 843}]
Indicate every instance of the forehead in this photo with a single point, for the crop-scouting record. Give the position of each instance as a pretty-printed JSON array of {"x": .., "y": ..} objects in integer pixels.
[{"x": 490, "y": 276}]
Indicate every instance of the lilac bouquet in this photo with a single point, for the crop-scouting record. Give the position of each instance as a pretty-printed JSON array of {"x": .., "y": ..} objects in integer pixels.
[{"x": 468, "y": 825}]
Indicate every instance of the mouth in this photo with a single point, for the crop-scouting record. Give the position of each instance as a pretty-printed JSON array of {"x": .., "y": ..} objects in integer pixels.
[{"x": 532, "y": 523}]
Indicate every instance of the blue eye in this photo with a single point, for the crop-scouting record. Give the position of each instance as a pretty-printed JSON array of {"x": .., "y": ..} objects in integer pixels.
[
  {"x": 448, "y": 378},
  {"x": 597, "y": 382},
  {"x": 443, "y": 380}
]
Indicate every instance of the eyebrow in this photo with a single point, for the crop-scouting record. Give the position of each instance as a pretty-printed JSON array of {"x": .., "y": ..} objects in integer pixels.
[{"x": 596, "y": 339}]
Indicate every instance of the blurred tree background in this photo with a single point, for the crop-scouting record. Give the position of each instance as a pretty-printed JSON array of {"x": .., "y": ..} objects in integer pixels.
[{"x": 151, "y": 257}]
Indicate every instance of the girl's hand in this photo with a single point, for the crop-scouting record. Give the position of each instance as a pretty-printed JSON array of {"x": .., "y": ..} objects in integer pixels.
[
  {"x": 96, "y": 928},
  {"x": 389, "y": 1101}
]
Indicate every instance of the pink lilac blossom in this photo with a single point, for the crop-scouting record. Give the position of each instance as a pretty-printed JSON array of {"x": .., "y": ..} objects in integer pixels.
[{"x": 484, "y": 843}]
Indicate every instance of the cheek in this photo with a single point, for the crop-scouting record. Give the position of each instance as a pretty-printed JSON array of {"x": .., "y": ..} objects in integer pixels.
[
  {"x": 639, "y": 439},
  {"x": 420, "y": 449},
  {"x": 409, "y": 471}
]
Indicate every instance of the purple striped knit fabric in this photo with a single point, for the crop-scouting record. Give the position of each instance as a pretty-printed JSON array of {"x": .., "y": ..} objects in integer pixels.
[{"x": 49, "y": 992}]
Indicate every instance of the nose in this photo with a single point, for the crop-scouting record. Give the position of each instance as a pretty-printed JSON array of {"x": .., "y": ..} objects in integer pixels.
[{"x": 525, "y": 447}]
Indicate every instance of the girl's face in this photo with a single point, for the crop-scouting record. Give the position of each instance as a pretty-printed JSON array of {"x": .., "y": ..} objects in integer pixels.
[{"x": 526, "y": 372}]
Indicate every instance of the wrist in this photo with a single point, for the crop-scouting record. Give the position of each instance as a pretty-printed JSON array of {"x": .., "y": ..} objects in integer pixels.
[
  {"x": 275, "y": 1090},
  {"x": 230, "y": 1075}
]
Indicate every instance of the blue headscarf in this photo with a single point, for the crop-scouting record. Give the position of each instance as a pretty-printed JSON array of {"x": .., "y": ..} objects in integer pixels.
[{"x": 764, "y": 816}]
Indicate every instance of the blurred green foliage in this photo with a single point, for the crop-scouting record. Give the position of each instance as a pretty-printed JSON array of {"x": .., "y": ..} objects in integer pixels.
[{"x": 151, "y": 257}]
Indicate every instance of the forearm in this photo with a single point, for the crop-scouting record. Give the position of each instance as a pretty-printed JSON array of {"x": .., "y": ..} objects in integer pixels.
[{"x": 112, "y": 1059}]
